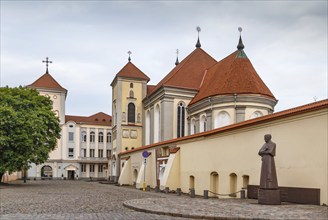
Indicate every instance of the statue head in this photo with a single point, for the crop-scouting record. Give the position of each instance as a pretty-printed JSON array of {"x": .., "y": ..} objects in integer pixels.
[{"x": 267, "y": 138}]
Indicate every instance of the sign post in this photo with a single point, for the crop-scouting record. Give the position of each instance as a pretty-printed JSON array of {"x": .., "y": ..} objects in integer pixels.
[{"x": 145, "y": 154}]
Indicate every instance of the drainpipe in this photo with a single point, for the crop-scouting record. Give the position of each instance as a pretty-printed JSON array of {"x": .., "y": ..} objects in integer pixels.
[{"x": 235, "y": 106}]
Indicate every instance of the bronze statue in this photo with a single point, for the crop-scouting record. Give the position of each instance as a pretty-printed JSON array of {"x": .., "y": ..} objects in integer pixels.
[
  {"x": 269, "y": 192},
  {"x": 268, "y": 169}
]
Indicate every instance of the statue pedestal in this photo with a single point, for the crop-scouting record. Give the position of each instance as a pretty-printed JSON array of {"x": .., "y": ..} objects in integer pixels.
[{"x": 269, "y": 197}]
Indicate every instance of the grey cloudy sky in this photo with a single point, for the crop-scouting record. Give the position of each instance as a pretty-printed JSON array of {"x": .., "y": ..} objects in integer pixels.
[{"x": 88, "y": 41}]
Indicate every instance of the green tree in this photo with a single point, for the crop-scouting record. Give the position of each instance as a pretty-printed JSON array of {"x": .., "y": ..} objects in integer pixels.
[{"x": 29, "y": 129}]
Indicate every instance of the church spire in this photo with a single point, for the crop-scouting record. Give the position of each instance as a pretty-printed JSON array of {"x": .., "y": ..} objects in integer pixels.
[
  {"x": 240, "y": 46},
  {"x": 240, "y": 43},
  {"x": 129, "y": 59},
  {"x": 177, "y": 61},
  {"x": 47, "y": 61},
  {"x": 198, "y": 45}
]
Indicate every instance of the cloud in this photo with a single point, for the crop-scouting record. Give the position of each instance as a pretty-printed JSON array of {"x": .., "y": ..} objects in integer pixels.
[{"x": 88, "y": 42}]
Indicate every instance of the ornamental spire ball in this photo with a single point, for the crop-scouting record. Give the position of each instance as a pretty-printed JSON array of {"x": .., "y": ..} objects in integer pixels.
[
  {"x": 240, "y": 45},
  {"x": 198, "y": 45},
  {"x": 129, "y": 59},
  {"x": 177, "y": 60}
]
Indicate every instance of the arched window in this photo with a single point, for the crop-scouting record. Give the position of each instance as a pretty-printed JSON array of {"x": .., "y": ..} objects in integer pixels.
[
  {"x": 180, "y": 120},
  {"x": 83, "y": 136},
  {"x": 193, "y": 126},
  {"x": 245, "y": 181},
  {"x": 256, "y": 114},
  {"x": 222, "y": 119},
  {"x": 214, "y": 183},
  {"x": 191, "y": 182},
  {"x": 109, "y": 137},
  {"x": 147, "y": 127},
  {"x": 131, "y": 113},
  {"x": 131, "y": 85},
  {"x": 92, "y": 136},
  {"x": 202, "y": 124},
  {"x": 233, "y": 184},
  {"x": 101, "y": 137},
  {"x": 131, "y": 95},
  {"x": 156, "y": 124}
]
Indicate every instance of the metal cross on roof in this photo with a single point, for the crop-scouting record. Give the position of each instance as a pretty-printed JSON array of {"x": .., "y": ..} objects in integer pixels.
[
  {"x": 47, "y": 61},
  {"x": 129, "y": 52}
]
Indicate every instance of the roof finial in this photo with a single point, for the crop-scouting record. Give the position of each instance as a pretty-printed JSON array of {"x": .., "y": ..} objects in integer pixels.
[
  {"x": 240, "y": 45},
  {"x": 177, "y": 61},
  {"x": 47, "y": 62},
  {"x": 129, "y": 59},
  {"x": 198, "y": 45}
]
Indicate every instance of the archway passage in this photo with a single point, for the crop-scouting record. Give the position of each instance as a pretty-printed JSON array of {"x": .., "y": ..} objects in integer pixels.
[
  {"x": 135, "y": 176},
  {"x": 46, "y": 171}
]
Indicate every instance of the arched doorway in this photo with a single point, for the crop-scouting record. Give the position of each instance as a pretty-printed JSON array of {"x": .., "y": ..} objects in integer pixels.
[
  {"x": 46, "y": 171},
  {"x": 135, "y": 176},
  {"x": 214, "y": 183},
  {"x": 71, "y": 171}
]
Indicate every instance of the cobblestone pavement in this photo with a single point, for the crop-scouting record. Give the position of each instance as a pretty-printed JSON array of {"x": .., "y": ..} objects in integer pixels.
[
  {"x": 199, "y": 208},
  {"x": 57, "y": 199}
]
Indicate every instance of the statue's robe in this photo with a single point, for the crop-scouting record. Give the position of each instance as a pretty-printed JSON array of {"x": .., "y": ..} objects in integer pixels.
[{"x": 268, "y": 170}]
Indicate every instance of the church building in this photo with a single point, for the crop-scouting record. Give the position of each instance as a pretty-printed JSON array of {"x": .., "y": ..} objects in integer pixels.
[
  {"x": 85, "y": 144},
  {"x": 200, "y": 128},
  {"x": 199, "y": 94}
]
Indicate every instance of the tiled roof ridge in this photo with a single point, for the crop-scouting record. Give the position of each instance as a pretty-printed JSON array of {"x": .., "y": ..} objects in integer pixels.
[
  {"x": 56, "y": 85},
  {"x": 134, "y": 66},
  {"x": 232, "y": 70},
  {"x": 177, "y": 68},
  {"x": 91, "y": 119},
  {"x": 267, "y": 118}
]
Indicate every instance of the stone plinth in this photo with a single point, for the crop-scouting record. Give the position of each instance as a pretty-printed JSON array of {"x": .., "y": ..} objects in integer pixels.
[{"x": 269, "y": 197}]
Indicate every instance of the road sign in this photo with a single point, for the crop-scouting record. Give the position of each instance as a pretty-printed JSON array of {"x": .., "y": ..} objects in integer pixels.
[{"x": 145, "y": 154}]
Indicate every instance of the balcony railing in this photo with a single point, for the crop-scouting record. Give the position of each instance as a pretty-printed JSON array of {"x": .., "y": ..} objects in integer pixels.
[{"x": 93, "y": 159}]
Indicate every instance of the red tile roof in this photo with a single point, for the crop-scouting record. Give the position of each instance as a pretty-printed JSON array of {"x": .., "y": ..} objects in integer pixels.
[
  {"x": 248, "y": 123},
  {"x": 131, "y": 71},
  {"x": 189, "y": 72},
  {"x": 232, "y": 75},
  {"x": 150, "y": 88},
  {"x": 46, "y": 81},
  {"x": 97, "y": 119}
]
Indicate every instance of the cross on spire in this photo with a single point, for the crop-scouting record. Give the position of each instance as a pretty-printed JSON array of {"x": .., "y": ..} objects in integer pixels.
[
  {"x": 47, "y": 63},
  {"x": 129, "y": 59}
]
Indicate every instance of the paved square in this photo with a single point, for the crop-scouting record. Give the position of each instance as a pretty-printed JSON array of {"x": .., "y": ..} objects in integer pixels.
[{"x": 57, "y": 199}]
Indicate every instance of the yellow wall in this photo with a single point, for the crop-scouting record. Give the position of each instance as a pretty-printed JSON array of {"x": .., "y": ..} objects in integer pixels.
[
  {"x": 129, "y": 141},
  {"x": 301, "y": 155},
  {"x": 301, "y": 159}
]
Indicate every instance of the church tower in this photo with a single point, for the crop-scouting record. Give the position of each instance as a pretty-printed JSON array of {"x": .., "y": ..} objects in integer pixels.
[
  {"x": 49, "y": 87},
  {"x": 129, "y": 88}
]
